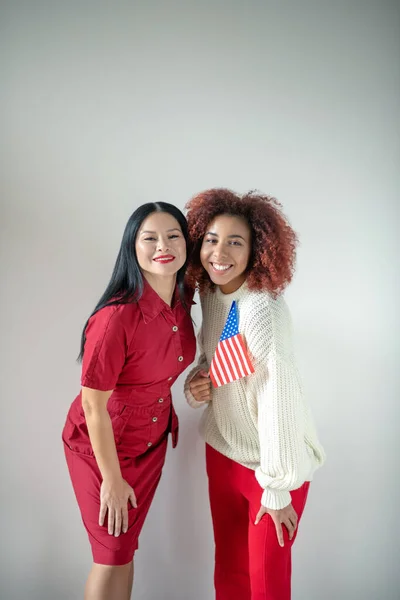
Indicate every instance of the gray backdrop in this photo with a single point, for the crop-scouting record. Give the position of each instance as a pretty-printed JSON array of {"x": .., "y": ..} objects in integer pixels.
[{"x": 106, "y": 105}]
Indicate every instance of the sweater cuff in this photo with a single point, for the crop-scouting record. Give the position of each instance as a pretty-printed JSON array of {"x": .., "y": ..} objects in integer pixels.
[
  {"x": 275, "y": 500},
  {"x": 191, "y": 400}
]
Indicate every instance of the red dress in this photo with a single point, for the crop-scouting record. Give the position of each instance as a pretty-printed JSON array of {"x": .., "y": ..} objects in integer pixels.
[{"x": 138, "y": 350}]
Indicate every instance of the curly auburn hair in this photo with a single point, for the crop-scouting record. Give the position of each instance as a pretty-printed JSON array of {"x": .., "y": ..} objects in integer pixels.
[{"x": 272, "y": 258}]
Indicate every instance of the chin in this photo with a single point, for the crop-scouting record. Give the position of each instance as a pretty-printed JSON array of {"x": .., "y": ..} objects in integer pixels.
[{"x": 218, "y": 280}]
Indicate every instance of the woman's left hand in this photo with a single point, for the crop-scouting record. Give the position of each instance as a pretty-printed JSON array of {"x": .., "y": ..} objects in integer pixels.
[{"x": 285, "y": 516}]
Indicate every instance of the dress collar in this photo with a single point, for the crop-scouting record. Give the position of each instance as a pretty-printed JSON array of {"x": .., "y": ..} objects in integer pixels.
[{"x": 151, "y": 305}]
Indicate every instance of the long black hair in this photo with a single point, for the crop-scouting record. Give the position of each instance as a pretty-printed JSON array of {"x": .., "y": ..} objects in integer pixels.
[{"x": 126, "y": 283}]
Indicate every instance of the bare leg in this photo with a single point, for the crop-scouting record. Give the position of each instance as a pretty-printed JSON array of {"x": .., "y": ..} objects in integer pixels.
[
  {"x": 106, "y": 582},
  {"x": 130, "y": 580}
]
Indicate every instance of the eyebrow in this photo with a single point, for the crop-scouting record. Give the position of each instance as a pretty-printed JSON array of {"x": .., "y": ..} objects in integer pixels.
[
  {"x": 168, "y": 230},
  {"x": 235, "y": 235}
]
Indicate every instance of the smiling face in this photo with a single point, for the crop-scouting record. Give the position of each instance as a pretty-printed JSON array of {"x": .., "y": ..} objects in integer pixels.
[
  {"x": 160, "y": 246},
  {"x": 225, "y": 251}
]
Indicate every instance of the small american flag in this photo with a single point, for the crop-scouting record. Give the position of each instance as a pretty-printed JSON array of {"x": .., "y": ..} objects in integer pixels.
[{"x": 230, "y": 361}]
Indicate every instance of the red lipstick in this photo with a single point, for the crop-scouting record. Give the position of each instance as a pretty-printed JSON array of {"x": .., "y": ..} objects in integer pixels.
[{"x": 166, "y": 258}]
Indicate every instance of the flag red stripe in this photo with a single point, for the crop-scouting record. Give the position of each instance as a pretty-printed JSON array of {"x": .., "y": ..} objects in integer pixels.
[
  {"x": 215, "y": 371},
  {"x": 227, "y": 346},
  {"x": 222, "y": 363},
  {"x": 241, "y": 358},
  {"x": 219, "y": 366},
  {"x": 226, "y": 359},
  {"x": 237, "y": 360},
  {"x": 214, "y": 375},
  {"x": 245, "y": 359},
  {"x": 230, "y": 361}
]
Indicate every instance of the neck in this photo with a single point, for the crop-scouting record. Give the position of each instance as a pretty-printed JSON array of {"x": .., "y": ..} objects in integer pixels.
[
  {"x": 163, "y": 286},
  {"x": 232, "y": 286}
]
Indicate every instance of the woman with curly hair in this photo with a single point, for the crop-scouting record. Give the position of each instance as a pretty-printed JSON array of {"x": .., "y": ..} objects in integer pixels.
[{"x": 261, "y": 444}]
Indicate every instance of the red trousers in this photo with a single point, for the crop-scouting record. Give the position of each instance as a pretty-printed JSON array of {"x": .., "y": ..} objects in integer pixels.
[{"x": 249, "y": 562}]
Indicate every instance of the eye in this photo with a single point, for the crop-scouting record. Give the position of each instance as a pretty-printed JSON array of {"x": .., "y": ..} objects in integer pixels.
[
  {"x": 174, "y": 236},
  {"x": 149, "y": 239},
  {"x": 210, "y": 241},
  {"x": 235, "y": 243}
]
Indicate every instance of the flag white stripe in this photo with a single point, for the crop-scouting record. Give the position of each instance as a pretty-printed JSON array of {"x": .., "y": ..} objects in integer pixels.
[
  {"x": 219, "y": 366},
  {"x": 214, "y": 372},
  {"x": 246, "y": 364},
  {"x": 230, "y": 350},
  {"x": 239, "y": 364},
  {"x": 228, "y": 347},
  {"x": 224, "y": 375},
  {"x": 226, "y": 365}
]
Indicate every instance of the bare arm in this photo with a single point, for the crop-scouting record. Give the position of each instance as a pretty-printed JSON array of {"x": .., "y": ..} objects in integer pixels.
[{"x": 94, "y": 404}]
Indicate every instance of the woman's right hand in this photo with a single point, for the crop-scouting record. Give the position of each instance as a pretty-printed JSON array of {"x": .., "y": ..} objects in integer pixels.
[
  {"x": 114, "y": 498},
  {"x": 200, "y": 387}
]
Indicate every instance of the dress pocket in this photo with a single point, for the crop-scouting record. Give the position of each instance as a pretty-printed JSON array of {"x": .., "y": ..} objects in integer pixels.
[
  {"x": 137, "y": 435},
  {"x": 75, "y": 433},
  {"x": 76, "y": 437},
  {"x": 120, "y": 415}
]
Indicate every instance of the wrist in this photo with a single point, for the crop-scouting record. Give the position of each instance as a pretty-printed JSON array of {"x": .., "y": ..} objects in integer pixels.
[{"x": 112, "y": 477}]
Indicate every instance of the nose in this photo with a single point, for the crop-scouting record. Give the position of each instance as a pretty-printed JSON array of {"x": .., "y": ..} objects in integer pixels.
[
  {"x": 162, "y": 244},
  {"x": 219, "y": 252}
]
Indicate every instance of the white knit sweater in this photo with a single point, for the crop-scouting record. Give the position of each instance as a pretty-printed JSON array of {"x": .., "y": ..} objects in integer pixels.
[{"x": 261, "y": 421}]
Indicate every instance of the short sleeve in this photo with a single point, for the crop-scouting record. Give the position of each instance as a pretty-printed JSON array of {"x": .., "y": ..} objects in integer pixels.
[{"x": 105, "y": 349}]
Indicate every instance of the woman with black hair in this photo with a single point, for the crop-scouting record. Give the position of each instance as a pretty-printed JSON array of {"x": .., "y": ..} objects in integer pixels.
[{"x": 137, "y": 341}]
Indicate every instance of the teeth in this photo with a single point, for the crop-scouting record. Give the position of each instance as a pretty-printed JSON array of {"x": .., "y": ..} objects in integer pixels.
[{"x": 220, "y": 267}]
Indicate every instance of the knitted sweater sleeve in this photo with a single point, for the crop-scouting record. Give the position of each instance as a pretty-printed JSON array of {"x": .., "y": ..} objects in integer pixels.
[
  {"x": 201, "y": 365},
  {"x": 281, "y": 424}
]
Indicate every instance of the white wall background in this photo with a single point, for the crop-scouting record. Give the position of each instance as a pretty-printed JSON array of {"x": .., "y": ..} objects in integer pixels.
[{"x": 106, "y": 105}]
